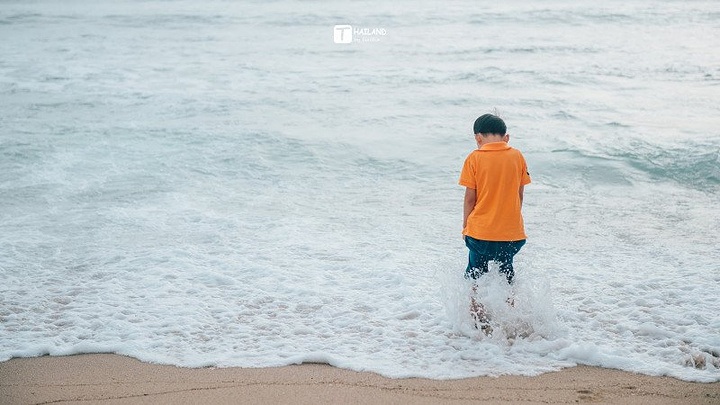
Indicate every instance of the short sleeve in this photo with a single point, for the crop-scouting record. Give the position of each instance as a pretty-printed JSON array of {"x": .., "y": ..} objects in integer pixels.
[
  {"x": 467, "y": 176},
  {"x": 525, "y": 175}
]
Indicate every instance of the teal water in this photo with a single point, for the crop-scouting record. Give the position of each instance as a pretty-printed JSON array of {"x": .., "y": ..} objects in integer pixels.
[{"x": 220, "y": 183}]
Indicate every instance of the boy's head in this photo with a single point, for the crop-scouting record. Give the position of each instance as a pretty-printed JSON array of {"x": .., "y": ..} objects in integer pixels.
[
  {"x": 490, "y": 128},
  {"x": 489, "y": 124}
]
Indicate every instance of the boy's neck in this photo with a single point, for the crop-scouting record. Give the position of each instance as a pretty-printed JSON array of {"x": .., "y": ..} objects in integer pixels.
[{"x": 482, "y": 140}]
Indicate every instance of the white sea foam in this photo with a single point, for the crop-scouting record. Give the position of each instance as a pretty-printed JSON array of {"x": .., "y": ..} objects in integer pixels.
[{"x": 220, "y": 184}]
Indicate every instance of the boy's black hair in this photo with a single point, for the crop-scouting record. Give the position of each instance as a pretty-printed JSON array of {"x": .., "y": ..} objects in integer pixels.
[{"x": 489, "y": 124}]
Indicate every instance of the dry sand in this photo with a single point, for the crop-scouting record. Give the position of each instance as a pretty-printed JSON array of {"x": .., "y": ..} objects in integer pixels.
[{"x": 112, "y": 379}]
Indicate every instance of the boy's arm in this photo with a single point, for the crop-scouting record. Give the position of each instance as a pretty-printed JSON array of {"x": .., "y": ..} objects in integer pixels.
[
  {"x": 469, "y": 205},
  {"x": 522, "y": 191}
]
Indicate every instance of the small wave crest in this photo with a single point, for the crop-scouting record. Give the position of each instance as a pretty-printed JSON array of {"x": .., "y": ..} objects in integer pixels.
[{"x": 695, "y": 166}]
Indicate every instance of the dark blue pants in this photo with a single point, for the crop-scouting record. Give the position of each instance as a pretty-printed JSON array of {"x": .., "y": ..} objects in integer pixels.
[{"x": 482, "y": 251}]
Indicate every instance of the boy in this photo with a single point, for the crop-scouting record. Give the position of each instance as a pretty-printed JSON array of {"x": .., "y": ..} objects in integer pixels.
[{"x": 495, "y": 176}]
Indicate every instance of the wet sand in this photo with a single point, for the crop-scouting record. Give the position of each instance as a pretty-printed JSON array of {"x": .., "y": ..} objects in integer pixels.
[{"x": 113, "y": 379}]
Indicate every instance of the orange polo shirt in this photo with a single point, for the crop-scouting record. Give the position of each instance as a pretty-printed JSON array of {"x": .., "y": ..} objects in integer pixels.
[{"x": 496, "y": 171}]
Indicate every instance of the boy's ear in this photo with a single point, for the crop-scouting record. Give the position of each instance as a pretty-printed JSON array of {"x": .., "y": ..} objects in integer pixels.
[{"x": 506, "y": 138}]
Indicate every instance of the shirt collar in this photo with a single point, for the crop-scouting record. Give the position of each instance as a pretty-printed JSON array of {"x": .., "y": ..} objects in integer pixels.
[{"x": 501, "y": 145}]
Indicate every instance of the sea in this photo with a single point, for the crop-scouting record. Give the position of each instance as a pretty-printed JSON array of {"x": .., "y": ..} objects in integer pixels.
[{"x": 220, "y": 183}]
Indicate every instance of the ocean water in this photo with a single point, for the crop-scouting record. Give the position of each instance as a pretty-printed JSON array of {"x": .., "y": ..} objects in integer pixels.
[{"x": 220, "y": 184}]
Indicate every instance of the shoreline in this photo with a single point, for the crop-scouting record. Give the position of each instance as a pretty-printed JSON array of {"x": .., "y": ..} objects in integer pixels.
[{"x": 115, "y": 379}]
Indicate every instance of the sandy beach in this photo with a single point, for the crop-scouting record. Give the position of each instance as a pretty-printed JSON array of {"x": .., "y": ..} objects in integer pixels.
[{"x": 113, "y": 379}]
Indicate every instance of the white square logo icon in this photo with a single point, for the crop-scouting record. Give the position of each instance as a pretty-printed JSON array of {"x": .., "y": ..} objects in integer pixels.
[{"x": 342, "y": 34}]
